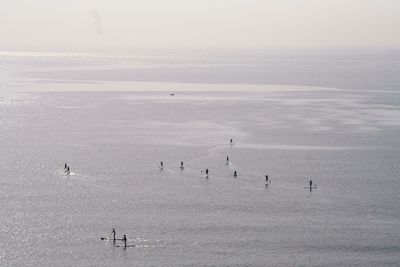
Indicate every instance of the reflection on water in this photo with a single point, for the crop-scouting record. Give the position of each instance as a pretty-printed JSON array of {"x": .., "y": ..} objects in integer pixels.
[{"x": 347, "y": 144}]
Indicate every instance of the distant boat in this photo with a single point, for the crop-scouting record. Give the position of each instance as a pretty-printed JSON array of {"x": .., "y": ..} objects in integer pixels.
[{"x": 172, "y": 94}]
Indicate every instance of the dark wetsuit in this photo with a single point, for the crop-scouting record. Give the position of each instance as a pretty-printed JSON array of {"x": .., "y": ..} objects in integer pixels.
[{"x": 113, "y": 233}]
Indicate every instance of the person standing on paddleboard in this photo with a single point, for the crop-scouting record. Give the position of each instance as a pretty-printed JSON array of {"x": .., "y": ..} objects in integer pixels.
[{"x": 113, "y": 233}]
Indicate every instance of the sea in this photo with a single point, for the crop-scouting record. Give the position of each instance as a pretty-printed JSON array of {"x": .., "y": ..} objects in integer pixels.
[{"x": 330, "y": 117}]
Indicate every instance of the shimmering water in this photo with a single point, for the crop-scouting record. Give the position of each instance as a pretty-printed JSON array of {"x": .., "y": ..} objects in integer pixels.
[
  {"x": 348, "y": 145},
  {"x": 345, "y": 141}
]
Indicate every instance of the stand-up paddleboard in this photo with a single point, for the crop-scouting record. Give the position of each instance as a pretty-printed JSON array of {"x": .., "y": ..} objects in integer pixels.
[
  {"x": 203, "y": 174},
  {"x": 64, "y": 173},
  {"x": 182, "y": 168},
  {"x": 312, "y": 187},
  {"x": 111, "y": 239},
  {"x": 131, "y": 246}
]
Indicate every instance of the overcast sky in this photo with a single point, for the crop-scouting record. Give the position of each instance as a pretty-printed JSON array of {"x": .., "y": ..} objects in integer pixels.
[{"x": 229, "y": 24}]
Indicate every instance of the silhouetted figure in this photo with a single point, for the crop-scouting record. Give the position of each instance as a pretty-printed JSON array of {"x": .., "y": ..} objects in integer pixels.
[
  {"x": 124, "y": 241},
  {"x": 310, "y": 184},
  {"x": 266, "y": 179},
  {"x": 113, "y": 233},
  {"x": 161, "y": 165},
  {"x": 227, "y": 160},
  {"x": 231, "y": 142},
  {"x": 182, "y": 165},
  {"x": 65, "y": 168},
  {"x": 207, "y": 172},
  {"x": 68, "y": 171},
  {"x": 235, "y": 174}
]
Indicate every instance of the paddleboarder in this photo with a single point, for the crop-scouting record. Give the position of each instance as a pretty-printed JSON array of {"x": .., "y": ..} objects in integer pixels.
[
  {"x": 113, "y": 233},
  {"x": 124, "y": 240}
]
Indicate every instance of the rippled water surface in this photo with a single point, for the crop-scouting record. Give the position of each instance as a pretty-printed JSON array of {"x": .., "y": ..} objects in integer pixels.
[{"x": 346, "y": 142}]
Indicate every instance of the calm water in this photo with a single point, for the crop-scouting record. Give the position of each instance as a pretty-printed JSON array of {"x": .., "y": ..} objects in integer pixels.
[{"x": 346, "y": 141}]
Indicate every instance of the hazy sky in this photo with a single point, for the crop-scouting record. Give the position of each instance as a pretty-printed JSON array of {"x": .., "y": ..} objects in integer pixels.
[{"x": 200, "y": 24}]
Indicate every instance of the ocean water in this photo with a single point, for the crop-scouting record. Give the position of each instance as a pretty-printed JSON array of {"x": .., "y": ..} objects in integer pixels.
[{"x": 114, "y": 131}]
